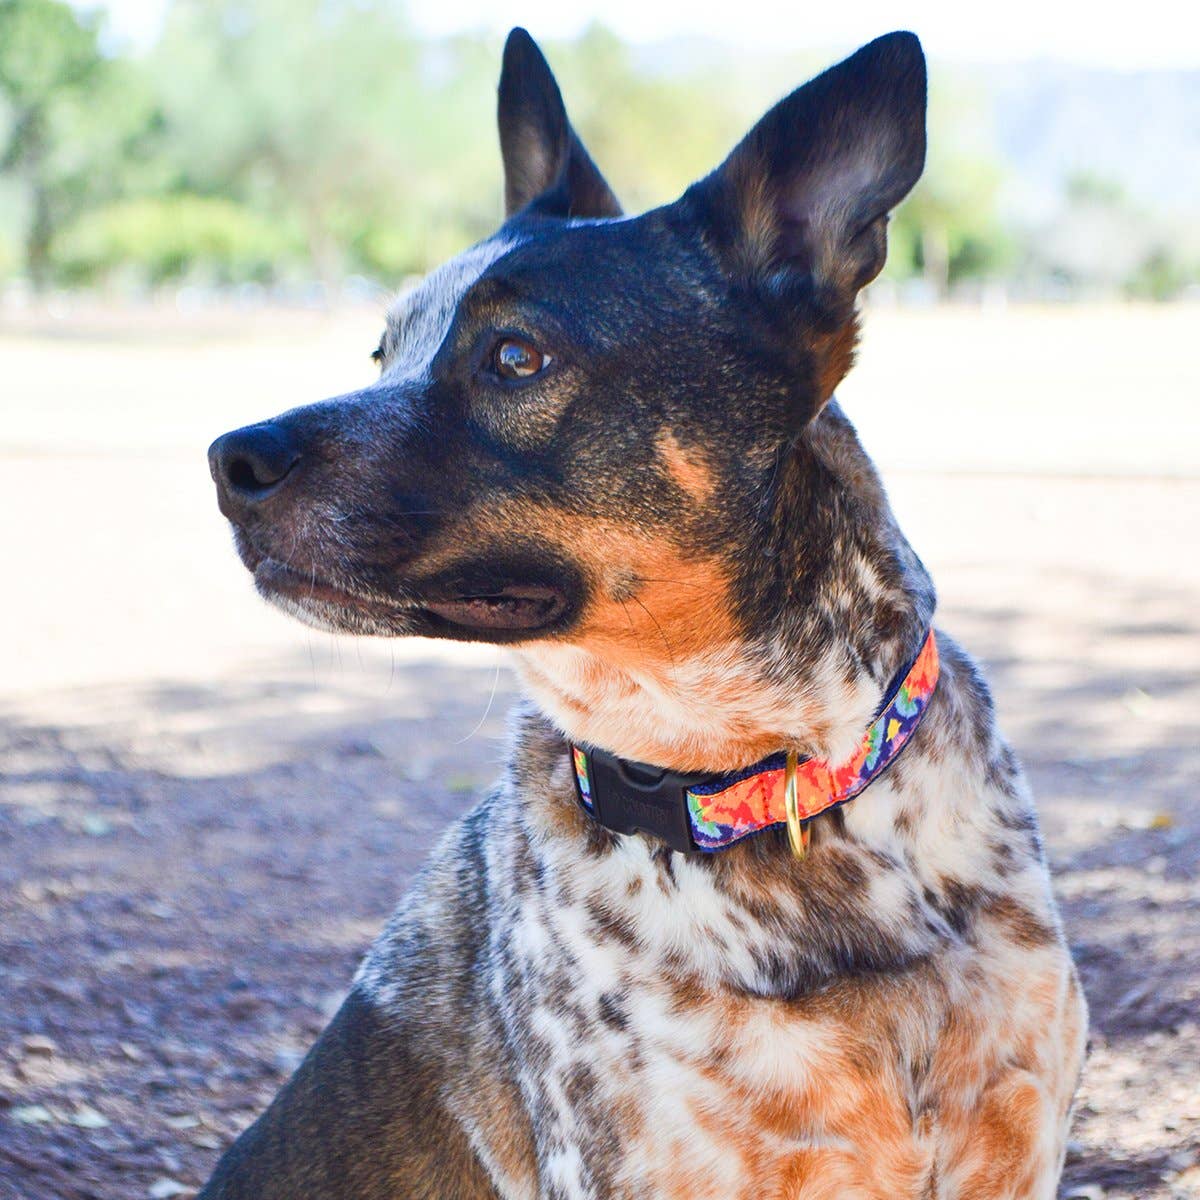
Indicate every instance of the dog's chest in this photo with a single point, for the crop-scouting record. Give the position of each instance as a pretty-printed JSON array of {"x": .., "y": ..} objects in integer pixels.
[
  {"x": 729, "y": 1028},
  {"x": 644, "y": 1078}
]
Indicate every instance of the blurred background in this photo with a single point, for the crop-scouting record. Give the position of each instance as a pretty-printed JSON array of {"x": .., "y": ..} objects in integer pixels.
[
  {"x": 206, "y": 810},
  {"x": 308, "y": 150}
]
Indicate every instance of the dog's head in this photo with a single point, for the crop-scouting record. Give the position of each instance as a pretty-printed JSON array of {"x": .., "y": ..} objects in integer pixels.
[{"x": 577, "y": 432}]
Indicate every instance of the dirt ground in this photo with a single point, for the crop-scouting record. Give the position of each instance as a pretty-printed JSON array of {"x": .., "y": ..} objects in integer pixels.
[{"x": 207, "y": 812}]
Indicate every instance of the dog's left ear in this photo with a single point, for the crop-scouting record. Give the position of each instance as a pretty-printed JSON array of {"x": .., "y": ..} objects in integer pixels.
[
  {"x": 803, "y": 199},
  {"x": 545, "y": 163}
]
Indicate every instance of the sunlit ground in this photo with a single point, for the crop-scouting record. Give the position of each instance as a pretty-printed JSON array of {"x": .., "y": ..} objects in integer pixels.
[
  {"x": 111, "y": 525},
  {"x": 1046, "y": 464}
]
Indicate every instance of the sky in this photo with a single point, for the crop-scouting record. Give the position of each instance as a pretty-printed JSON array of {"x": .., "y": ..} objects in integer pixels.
[{"x": 1149, "y": 34}]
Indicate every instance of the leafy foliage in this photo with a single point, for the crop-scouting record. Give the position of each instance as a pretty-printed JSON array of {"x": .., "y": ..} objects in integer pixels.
[
  {"x": 262, "y": 138},
  {"x": 163, "y": 239},
  {"x": 76, "y": 121}
]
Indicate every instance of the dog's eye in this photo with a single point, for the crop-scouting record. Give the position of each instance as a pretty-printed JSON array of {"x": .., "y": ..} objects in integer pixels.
[
  {"x": 515, "y": 359},
  {"x": 378, "y": 355}
]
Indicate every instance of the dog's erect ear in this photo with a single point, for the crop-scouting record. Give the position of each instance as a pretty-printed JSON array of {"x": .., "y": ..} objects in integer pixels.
[
  {"x": 805, "y": 195},
  {"x": 545, "y": 163}
]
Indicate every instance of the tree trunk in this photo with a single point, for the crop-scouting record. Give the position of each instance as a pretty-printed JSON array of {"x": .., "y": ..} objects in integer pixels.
[
  {"x": 325, "y": 255},
  {"x": 935, "y": 259},
  {"x": 38, "y": 238}
]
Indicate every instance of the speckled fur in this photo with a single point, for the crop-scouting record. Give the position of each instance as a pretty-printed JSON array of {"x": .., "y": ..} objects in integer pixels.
[
  {"x": 895, "y": 1017},
  {"x": 560, "y": 1012}
]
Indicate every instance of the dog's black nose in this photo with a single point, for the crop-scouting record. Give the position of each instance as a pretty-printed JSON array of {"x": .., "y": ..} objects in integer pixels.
[{"x": 250, "y": 464}]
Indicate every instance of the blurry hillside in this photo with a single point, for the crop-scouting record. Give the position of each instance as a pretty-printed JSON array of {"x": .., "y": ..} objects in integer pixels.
[
  {"x": 1138, "y": 129},
  {"x": 291, "y": 146}
]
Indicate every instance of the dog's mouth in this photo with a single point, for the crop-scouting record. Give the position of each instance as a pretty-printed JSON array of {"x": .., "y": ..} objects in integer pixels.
[
  {"x": 510, "y": 612},
  {"x": 514, "y": 608}
]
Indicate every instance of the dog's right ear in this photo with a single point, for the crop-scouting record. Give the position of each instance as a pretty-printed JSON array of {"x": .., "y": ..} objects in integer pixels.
[{"x": 545, "y": 164}]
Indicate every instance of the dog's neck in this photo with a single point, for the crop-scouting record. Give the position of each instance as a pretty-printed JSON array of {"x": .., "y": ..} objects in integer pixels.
[{"x": 839, "y": 605}]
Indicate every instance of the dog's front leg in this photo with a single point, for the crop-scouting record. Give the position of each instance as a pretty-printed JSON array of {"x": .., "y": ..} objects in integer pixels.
[
  {"x": 363, "y": 1118},
  {"x": 1009, "y": 1142}
]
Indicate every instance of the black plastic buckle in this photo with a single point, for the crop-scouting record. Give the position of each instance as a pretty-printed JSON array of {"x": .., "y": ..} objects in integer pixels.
[{"x": 630, "y": 797}]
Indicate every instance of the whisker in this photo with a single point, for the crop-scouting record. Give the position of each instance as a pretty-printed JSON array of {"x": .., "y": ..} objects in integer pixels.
[
  {"x": 632, "y": 626},
  {"x": 673, "y": 582},
  {"x": 486, "y": 711},
  {"x": 661, "y": 634}
]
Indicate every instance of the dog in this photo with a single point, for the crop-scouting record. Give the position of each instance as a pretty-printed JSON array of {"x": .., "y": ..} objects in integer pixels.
[{"x": 760, "y": 907}]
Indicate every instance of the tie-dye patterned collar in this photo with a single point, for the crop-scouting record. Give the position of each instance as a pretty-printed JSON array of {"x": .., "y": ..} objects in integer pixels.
[{"x": 709, "y": 812}]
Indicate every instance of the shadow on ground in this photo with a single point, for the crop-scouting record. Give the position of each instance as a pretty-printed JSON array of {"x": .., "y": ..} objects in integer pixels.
[{"x": 191, "y": 872}]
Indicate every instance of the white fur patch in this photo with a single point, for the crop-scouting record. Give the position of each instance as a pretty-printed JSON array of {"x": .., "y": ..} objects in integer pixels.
[
  {"x": 420, "y": 319},
  {"x": 679, "y": 707}
]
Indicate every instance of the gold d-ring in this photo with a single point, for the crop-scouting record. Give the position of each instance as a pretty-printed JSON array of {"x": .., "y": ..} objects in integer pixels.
[{"x": 797, "y": 830}]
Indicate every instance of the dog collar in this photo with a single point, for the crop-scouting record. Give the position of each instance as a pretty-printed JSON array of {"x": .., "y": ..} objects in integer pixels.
[{"x": 705, "y": 812}]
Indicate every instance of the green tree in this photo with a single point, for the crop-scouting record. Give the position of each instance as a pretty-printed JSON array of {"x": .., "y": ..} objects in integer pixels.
[
  {"x": 651, "y": 131},
  {"x": 307, "y": 110},
  {"x": 1104, "y": 242},
  {"x": 75, "y": 118},
  {"x": 949, "y": 229}
]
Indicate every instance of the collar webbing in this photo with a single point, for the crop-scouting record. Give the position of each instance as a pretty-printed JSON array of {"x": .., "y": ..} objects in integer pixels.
[{"x": 710, "y": 812}]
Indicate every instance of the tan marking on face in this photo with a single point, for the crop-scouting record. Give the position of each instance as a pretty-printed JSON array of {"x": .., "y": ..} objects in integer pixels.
[
  {"x": 651, "y": 603},
  {"x": 687, "y": 470},
  {"x": 835, "y": 356},
  {"x": 648, "y": 643},
  {"x": 657, "y": 668},
  {"x": 678, "y": 608}
]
